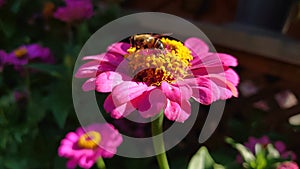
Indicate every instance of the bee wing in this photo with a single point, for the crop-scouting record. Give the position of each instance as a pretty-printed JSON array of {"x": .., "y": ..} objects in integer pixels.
[
  {"x": 166, "y": 34},
  {"x": 161, "y": 35}
]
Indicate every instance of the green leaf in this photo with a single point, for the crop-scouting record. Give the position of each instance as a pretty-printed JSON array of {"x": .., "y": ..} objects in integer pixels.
[
  {"x": 203, "y": 160},
  {"x": 14, "y": 163},
  {"x": 53, "y": 70},
  {"x": 244, "y": 151},
  {"x": 8, "y": 27},
  {"x": 59, "y": 102},
  {"x": 36, "y": 111},
  {"x": 15, "y": 8},
  {"x": 100, "y": 163},
  {"x": 272, "y": 152},
  {"x": 261, "y": 161}
]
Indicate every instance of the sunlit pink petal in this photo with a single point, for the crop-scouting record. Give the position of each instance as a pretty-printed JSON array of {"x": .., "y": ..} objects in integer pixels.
[
  {"x": 106, "y": 81},
  {"x": 89, "y": 85},
  {"x": 177, "y": 112},
  {"x": 196, "y": 46}
]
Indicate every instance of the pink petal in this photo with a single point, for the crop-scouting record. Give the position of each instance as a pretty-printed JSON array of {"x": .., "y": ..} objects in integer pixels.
[
  {"x": 119, "y": 110},
  {"x": 86, "y": 162},
  {"x": 120, "y": 48},
  {"x": 150, "y": 103},
  {"x": 127, "y": 91},
  {"x": 111, "y": 136},
  {"x": 176, "y": 112},
  {"x": 72, "y": 136},
  {"x": 205, "y": 91},
  {"x": 89, "y": 85},
  {"x": 71, "y": 164},
  {"x": 228, "y": 60},
  {"x": 122, "y": 110},
  {"x": 226, "y": 87},
  {"x": 66, "y": 142},
  {"x": 65, "y": 151},
  {"x": 94, "y": 57},
  {"x": 232, "y": 76},
  {"x": 88, "y": 69},
  {"x": 106, "y": 81},
  {"x": 211, "y": 63},
  {"x": 176, "y": 93},
  {"x": 197, "y": 46}
]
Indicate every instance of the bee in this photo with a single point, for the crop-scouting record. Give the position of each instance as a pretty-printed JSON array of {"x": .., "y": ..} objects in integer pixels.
[{"x": 147, "y": 41}]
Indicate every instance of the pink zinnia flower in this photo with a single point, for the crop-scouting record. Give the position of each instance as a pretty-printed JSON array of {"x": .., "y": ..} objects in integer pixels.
[
  {"x": 264, "y": 141},
  {"x": 29, "y": 53},
  {"x": 75, "y": 10},
  {"x": 84, "y": 146},
  {"x": 288, "y": 165},
  {"x": 152, "y": 80}
]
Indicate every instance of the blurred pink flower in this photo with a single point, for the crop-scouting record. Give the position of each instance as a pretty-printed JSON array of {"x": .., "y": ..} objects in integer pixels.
[
  {"x": 151, "y": 80},
  {"x": 2, "y": 2},
  {"x": 75, "y": 10},
  {"x": 264, "y": 141},
  {"x": 29, "y": 53},
  {"x": 288, "y": 165},
  {"x": 20, "y": 96},
  {"x": 84, "y": 146}
]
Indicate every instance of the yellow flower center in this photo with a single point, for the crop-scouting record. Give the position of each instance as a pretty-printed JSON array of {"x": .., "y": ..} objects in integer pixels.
[
  {"x": 153, "y": 66},
  {"x": 89, "y": 140},
  {"x": 48, "y": 9},
  {"x": 20, "y": 52}
]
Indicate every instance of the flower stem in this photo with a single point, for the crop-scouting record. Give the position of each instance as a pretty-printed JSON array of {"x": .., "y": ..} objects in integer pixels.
[
  {"x": 100, "y": 163},
  {"x": 158, "y": 141},
  {"x": 27, "y": 82}
]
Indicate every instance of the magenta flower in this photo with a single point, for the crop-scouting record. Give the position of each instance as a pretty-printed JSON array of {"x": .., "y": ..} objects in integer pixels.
[
  {"x": 29, "y": 53},
  {"x": 288, "y": 165},
  {"x": 151, "y": 80},
  {"x": 2, "y": 2},
  {"x": 84, "y": 146},
  {"x": 264, "y": 141},
  {"x": 75, "y": 10}
]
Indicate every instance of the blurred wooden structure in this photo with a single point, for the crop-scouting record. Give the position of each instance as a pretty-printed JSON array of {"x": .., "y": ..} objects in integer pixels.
[{"x": 269, "y": 67}]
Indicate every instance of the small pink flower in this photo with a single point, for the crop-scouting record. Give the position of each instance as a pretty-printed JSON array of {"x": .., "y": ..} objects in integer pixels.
[
  {"x": 151, "y": 80},
  {"x": 75, "y": 10},
  {"x": 264, "y": 141},
  {"x": 288, "y": 165},
  {"x": 20, "y": 96},
  {"x": 84, "y": 146},
  {"x": 29, "y": 53}
]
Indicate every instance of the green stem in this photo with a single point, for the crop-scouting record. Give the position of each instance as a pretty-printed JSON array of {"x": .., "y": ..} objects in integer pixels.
[
  {"x": 27, "y": 82},
  {"x": 158, "y": 141},
  {"x": 100, "y": 163}
]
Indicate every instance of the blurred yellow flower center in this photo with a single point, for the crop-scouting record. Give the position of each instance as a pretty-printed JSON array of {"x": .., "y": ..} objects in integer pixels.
[
  {"x": 153, "y": 66},
  {"x": 48, "y": 9},
  {"x": 20, "y": 52},
  {"x": 89, "y": 140}
]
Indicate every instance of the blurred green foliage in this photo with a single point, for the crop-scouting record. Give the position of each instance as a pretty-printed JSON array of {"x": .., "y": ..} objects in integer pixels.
[{"x": 33, "y": 124}]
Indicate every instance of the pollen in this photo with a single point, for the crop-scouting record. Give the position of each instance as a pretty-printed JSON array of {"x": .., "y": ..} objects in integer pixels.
[
  {"x": 89, "y": 140},
  {"x": 154, "y": 66},
  {"x": 20, "y": 52}
]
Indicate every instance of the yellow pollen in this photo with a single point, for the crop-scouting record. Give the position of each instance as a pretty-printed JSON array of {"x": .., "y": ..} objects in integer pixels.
[
  {"x": 20, "y": 52},
  {"x": 153, "y": 66},
  {"x": 89, "y": 140}
]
